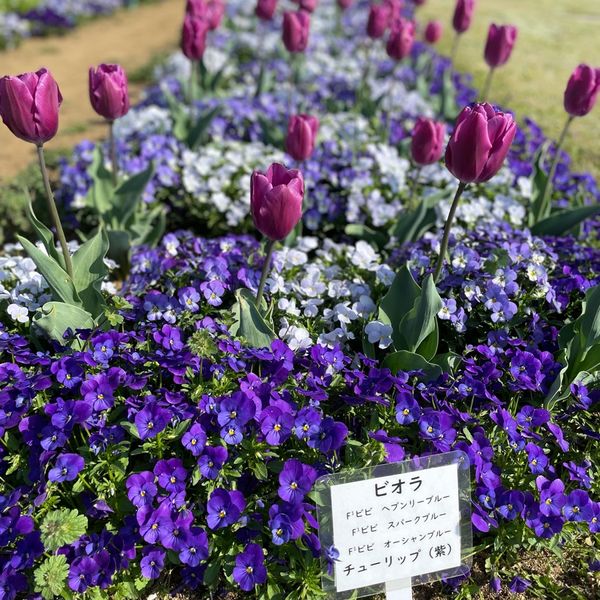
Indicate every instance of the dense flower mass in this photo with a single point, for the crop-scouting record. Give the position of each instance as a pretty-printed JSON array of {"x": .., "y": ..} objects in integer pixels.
[{"x": 166, "y": 444}]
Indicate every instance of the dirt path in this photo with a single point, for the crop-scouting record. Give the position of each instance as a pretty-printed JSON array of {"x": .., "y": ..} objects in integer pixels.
[{"x": 130, "y": 38}]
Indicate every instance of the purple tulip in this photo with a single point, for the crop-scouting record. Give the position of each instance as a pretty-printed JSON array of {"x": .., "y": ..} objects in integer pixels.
[
  {"x": 427, "y": 144},
  {"x": 581, "y": 92},
  {"x": 500, "y": 43},
  {"x": 307, "y": 5},
  {"x": 379, "y": 20},
  {"x": 401, "y": 40},
  {"x": 394, "y": 7},
  {"x": 296, "y": 27},
  {"x": 211, "y": 11},
  {"x": 29, "y": 105},
  {"x": 109, "y": 95},
  {"x": 463, "y": 14},
  {"x": 433, "y": 32},
  {"x": 193, "y": 37},
  {"x": 265, "y": 9},
  {"x": 276, "y": 201},
  {"x": 301, "y": 136},
  {"x": 344, "y": 4},
  {"x": 479, "y": 143}
]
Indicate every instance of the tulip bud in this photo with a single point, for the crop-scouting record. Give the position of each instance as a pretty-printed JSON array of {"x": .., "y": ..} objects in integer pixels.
[
  {"x": 196, "y": 8},
  {"x": 401, "y": 39},
  {"x": 296, "y": 27},
  {"x": 276, "y": 201},
  {"x": 193, "y": 37},
  {"x": 419, "y": 2},
  {"x": 394, "y": 7},
  {"x": 109, "y": 94},
  {"x": 582, "y": 89},
  {"x": 211, "y": 11},
  {"x": 463, "y": 14},
  {"x": 500, "y": 42},
  {"x": 480, "y": 142},
  {"x": 265, "y": 9},
  {"x": 433, "y": 32},
  {"x": 307, "y": 5},
  {"x": 427, "y": 144},
  {"x": 344, "y": 4},
  {"x": 29, "y": 105},
  {"x": 379, "y": 19},
  {"x": 301, "y": 136}
]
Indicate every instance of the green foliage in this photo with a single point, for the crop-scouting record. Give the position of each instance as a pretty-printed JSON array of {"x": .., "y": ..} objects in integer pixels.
[
  {"x": 61, "y": 527},
  {"x": 249, "y": 324},
  {"x": 51, "y": 576}
]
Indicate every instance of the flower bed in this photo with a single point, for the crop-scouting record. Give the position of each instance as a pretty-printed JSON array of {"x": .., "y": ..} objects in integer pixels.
[{"x": 163, "y": 447}]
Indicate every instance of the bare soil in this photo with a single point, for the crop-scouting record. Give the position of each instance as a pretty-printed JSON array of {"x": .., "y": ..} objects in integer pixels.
[{"x": 129, "y": 37}]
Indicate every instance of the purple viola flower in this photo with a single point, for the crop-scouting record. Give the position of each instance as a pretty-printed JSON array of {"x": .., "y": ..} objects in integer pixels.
[
  {"x": 66, "y": 468},
  {"x": 194, "y": 439},
  {"x": 224, "y": 508},
  {"x": 307, "y": 423},
  {"x": 518, "y": 585},
  {"x": 526, "y": 370},
  {"x": 194, "y": 548},
  {"x": 332, "y": 555},
  {"x": 237, "y": 408},
  {"x": 559, "y": 436},
  {"x": 153, "y": 562},
  {"x": 151, "y": 420},
  {"x": 212, "y": 460},
  {"x": 295, "y": 481},
  {"x": 189, "y": 299},
  {"x": 276, "y": 425},
  {"x": 68, "y": 372},
  {"x": 13, "y": 525},
  {"x": 552, "y": 497},
  {"x": 407, "y": 408},
  {"x": 169, "y": 338},
  {"x": 510, "y": 504},
  {"x": 537, "y": 459},
  {"x": 66, "y": 413},
  {"x": 330, "y": 437},
  {"x": 98, "y": 390},
  {"x": 250, "y": 569},
  {"x": 103, "y": 349},
  {"x": 595, "y": 518},
  {"x": 437, "y": 427},
  {"x": 213, "y": 292},
  {"x": 394, "y": 452},
  {"x": 496, "y": 584},
  {"x": 175, "y": 531},
  {"x": 578, "y": 506},
  {"x": 141, "y": 489},
  {"x": 579, "y": 473},
  {"x": 82, "y": 574},
  {"x": 153, "y": 523},
  {"x": 171, "y": 475},
  {"x": 529, "y": 417},
  {"x": 281, "y": 529}
]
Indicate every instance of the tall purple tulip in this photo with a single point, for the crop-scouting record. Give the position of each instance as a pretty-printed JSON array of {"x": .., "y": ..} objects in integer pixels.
[
  {"x": 379, "y": 20},
  {"x": 433, "y": 32},
  {"x": 477, "y": 148},
  {"x": 296, "y": 29},
  {"x": 307, "y": 5},
  {"x": 29, "y": 106},
  {"x": 193, "y": 37},
  {"x": 463, "y": 15},
  {"x": 276, "y": 206},
  {"x": 498, "y": 48},
  {"x": 582, "y": 90},
  {"x": 401, "y": 40},
  {"x": 211, "y": 11},
  {"x": 427, "y": 143},
  {"x": 265, "y": 9},
  {"x": 301, "y": 136}
]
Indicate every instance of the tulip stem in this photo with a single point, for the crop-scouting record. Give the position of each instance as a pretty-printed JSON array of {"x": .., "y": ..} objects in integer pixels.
[
  {"x": 192, "y": 84},
  {"x": 112, "y": 146},
  {"x": 487, "y": 86},
  {"x": 413, "y": 189},
  {"x": 550, "y": 181},
  {"x": 54, "y": 212},
  {"x": 454, "y": 48},
  {"x": 444, "y": 245},
  {"x": 266, "y": 268}
]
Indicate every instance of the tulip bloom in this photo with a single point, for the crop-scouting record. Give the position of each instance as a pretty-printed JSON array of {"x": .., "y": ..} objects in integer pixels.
[
  {"x": 477, "y": 148},
  {"x": 401, "y": 39},
  {"x": 29, "y": 106},
  {"x": 108, "y": 89},
  {"x": 301, "y": 136},
  {"x": 427, "y": 143},
  {"x": 308, "y": 5},
  {"x": 498, "y": 48},
  {"x": 276, "y": 206},
  {"x": 265, "y": 9},
  {"x": 211, "y": 11},
  {"x": 296, "y": 28},
  {"x": 344, "y": 4},
  {"x": 379, "y": 19},
  {"x": 461, "y": 21},
  {"x": 193, "y": 37},
  {"x": 433, "y": 32}
]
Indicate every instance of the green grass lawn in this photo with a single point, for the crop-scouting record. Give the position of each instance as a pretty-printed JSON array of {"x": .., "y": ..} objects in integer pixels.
[{"x": 554, "y": 37}]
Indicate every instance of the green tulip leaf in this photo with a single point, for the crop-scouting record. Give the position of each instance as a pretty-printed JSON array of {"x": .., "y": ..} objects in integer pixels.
[
  {"x": 45, "y": 236},
  {"x": 249, "y": 323},
  {"x": 196, "y": 134},
  {"x": 409, "y": 361},
  {"x": 560, "y": 222},
  {"x": 55, "y": 318}
]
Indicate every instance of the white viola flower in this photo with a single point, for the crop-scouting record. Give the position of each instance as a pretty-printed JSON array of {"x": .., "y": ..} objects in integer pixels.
[
  {"x": 365, "y": 306},
  {"x": 364, "y": 256},
  {"x": 311, "y": 307},
  {"x": 297, "y": 338},
  {"x": 17, "y": 313},
  {"x": 384, "y": 274},
  {"x": 344, "y": 314},
  {"x": 288, "y": 306},
  {"x": 379, "y": 333}
]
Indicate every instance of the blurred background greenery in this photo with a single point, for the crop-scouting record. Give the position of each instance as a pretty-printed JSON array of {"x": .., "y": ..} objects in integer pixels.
[{"x": 554, "y": 37}]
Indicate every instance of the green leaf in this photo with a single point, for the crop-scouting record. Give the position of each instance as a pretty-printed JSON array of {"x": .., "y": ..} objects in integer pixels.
[
  {"x": 249, "y": 323},
  {"x": 89, "y": 272},
  {"x": 45, "y": 236},
  {"x": 448, "y": 107},
  {"x": 57, "y": 278},
  {"x": 179, "y": 115},
  {"x": 409, "y": 361},
  {"x": 127, "y": 197},
  {"x": 197, "y": 132},
  {"x": 272, "y": 136},
  {"x": 560, "y": 222},
  {"x": 54, "y": 318},
  {"x": 51, "y": 576},
  {"x": 101, "y": 191},
  {"x": 420, "y": 321},
  {"x": 362, "y": 232},
  {"x": 428, "y": 347},
  {"x": 408, "y": 224},
  {"x": 119, "y": 246},
  {"x": 539, "y": 180},
  {"x": 62, "y": 527}
]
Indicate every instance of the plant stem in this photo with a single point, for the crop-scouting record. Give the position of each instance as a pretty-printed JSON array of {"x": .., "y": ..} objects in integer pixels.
[
  {"x": 454, "y": 48},
  {"x": 266, "y": 268},
  {"x": 550, "y": 182},
  {"x": 487, "y": 85},
  {"x": 413, "y": 189},
  {"x": 192, "y": 84},
  {"x": 447, "y": 228},
  {"x": 112, "y": 143},
  {"x": 54, "y": 212}
]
